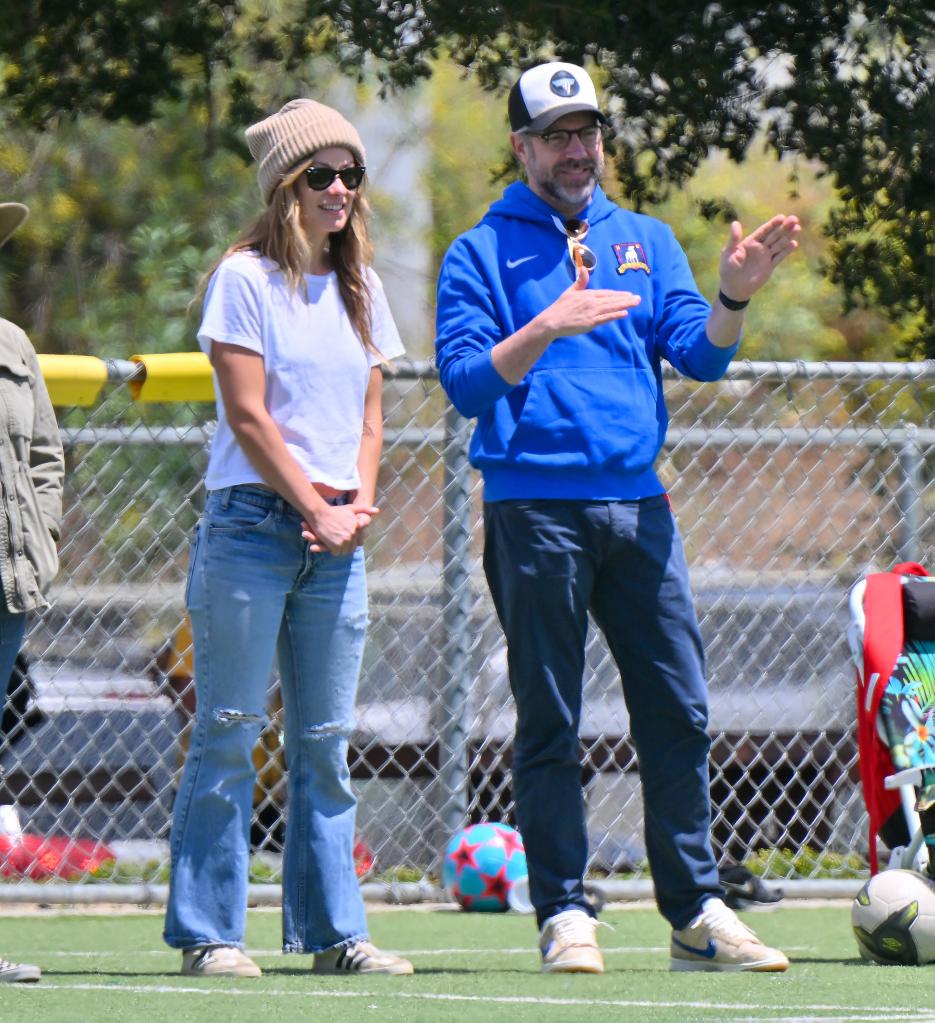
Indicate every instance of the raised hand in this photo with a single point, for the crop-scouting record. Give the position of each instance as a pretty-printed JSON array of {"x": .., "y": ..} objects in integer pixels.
[{"x": 748, "y": 263}]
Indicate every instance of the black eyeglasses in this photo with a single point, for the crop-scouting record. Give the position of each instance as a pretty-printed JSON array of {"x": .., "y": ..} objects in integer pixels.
[
  {"x": 576, "y": 231},
  {"x": 559, "y": 139},
  {"x": 320, "y": 178}
]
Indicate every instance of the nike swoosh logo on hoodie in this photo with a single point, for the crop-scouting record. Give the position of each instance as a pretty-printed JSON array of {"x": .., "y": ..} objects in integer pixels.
[{"x": 512, "y": 264}]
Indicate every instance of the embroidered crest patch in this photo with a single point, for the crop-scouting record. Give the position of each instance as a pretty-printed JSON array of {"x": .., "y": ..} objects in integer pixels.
[{"x": 630, "y": 256}]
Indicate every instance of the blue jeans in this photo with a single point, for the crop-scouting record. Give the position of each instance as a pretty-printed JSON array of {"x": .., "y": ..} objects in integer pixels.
[
  {"x": 548, "y": 563},
  {"x": 256, "y": 590},
  {"x": 12, "y": 630}
]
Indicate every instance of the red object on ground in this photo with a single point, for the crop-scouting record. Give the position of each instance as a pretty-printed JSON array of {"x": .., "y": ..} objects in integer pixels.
[
  {"x": 363, "y": 859},
  {"x": 40, "y": 857}
]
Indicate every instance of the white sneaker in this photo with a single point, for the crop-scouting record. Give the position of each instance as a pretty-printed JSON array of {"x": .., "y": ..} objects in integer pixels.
[
  {"x": 18, "y": 973},
  {"x": 717, "y": 940},
  {"x": 218, "y": 961},
  {"x": 363, "y": 957},
  {"x": 568, "y": 943}
]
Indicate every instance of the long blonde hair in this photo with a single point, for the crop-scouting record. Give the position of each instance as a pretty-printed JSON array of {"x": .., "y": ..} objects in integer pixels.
[{"x": 277, "y": 233}]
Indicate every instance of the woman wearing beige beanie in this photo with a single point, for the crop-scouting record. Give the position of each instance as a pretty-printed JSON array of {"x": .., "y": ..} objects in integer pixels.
[{"x": 297, "y": 326}]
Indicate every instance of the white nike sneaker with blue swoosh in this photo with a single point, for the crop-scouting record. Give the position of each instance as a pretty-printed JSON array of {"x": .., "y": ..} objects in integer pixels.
[
  {"x": 568, "y": 943},
  {"x": 716, "y": 940}
]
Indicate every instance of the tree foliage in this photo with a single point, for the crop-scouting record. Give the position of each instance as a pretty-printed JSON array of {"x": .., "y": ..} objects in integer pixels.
[
  {"x": 849, "y": 84},
  {"x": 123, "y": 59},
  {"x": 117, "y": 58},
  {"x": 123, "y": 131}
]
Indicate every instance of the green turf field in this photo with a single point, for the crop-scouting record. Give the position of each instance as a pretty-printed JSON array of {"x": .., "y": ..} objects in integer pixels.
[{"x": 470, "y": 968}]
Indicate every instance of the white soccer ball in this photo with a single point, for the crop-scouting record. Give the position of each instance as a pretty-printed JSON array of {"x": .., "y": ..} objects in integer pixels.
[{"x": 893, "y": 918}]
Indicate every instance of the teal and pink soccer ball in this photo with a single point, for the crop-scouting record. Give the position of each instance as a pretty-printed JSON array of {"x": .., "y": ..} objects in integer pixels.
[{"x": 482, "y": 863}]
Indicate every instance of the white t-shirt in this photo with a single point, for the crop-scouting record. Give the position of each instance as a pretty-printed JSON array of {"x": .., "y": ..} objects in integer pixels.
[{"x": 316, "y": 367}]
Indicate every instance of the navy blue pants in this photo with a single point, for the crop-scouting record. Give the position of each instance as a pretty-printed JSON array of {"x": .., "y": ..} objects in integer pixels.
[
  {"x": 548, "y": 563},
  {"x": 12, "y": 630}
]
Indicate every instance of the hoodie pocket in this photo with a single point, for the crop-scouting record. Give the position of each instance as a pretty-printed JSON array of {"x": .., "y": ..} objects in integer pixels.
[{"x": 596, "y": 418}]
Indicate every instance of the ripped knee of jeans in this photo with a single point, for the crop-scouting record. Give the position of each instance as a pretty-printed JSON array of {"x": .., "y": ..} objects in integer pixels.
[
  {"x": 329, "y": 730},
  {"x": 230, "y": 716}
]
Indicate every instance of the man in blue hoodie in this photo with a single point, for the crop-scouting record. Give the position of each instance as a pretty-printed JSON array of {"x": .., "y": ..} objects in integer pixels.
[{"x": 554, "y": 315}]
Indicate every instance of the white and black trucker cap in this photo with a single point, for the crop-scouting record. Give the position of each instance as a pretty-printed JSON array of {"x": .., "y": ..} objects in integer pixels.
[{"x": 546, "y": 92}]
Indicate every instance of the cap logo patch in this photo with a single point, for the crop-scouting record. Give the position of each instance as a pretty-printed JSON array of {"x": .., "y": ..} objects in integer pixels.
[
  {"x": 564, "y": 84},
  {"x": 630, "y": 256}
]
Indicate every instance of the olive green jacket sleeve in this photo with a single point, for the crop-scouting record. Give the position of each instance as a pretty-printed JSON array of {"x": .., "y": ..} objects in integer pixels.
[{"x": 32, "y": 472}]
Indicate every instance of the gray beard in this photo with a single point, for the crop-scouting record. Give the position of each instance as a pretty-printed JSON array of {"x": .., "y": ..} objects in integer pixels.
[{"x": 578, "y": 198}]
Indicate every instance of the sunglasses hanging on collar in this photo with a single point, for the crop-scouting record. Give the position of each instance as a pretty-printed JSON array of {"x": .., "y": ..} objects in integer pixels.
[{"x": 575, "y": 230}]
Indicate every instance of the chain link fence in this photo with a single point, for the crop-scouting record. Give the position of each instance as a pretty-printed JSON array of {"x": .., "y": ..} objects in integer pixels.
[{"x": 789, "y": 482}]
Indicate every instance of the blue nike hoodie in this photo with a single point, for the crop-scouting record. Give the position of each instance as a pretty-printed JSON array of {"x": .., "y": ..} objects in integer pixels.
[{"x": 589, "y": 419}]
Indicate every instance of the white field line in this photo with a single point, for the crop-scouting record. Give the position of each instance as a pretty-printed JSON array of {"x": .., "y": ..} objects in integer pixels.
[
  {"x": 842, "y": 1014},
  {"x": 418, "y": 952},
  {"x": 876, "y": 1017}
]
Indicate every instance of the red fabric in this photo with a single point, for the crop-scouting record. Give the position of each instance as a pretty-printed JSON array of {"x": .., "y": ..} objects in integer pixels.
[
  {"x": 363, "y": 859},
  {"x": 883, "y": 643},
  {"x": 39, "y": 857}
]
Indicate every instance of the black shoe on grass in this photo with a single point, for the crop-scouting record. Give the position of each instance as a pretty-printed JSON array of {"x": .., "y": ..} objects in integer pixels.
[{"x": 744, "y": 890}]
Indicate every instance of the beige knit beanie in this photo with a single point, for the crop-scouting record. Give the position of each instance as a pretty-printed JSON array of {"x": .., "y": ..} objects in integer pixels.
[{"x": 283, "y": 140}]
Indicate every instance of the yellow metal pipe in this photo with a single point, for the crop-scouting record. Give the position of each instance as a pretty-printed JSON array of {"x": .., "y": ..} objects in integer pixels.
[
  {"x": 73, "y": 379},
  {"x": 175, "y": 376}
]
